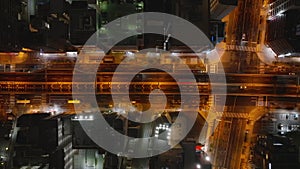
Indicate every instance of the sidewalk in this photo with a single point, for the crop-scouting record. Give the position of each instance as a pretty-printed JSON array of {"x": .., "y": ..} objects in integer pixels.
[
  {"x": 266, "y": 55},
  {"x": 214, "y": 56}
]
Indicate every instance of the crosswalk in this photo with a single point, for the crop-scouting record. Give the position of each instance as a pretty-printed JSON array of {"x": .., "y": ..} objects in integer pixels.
[
  {"x": 260, "y": 101},
  {"x": 12, "y": 99},
  {"x": 233, "y": 115},
  {"x": 241, "y": 48},
  {"x": 212, "y": 68},
  {"x": 261, "y": 68}
]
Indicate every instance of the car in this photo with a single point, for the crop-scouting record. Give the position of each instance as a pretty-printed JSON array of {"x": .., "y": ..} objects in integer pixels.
[{"x": 243, "y": 87}]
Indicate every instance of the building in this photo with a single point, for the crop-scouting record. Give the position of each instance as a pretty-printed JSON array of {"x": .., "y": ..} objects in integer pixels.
[
  {"x": 194, "y": 11},
  {"x": 283, "y": 34},
  {"x": 275, "y": 152},
  {"x": 280, "y": 122},
  {"x": 82, "y": 22},
  {"x": 220, "y": 8},
  {"x": 41, "y": 23},
  {"x": 9, "y": 35},
  {"x": 42, "y": 140},
  {"x": 277, "y": 144}
]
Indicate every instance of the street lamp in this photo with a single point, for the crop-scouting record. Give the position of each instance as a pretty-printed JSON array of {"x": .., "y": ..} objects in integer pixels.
[
  {"x": 207, "y": 158},
  {"x": 166, "y": 42}
]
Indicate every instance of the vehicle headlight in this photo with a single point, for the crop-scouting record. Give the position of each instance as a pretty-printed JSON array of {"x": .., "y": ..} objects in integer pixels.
[
  {"x": 198, "y": 166},
  {"x": 207, "y": 158}
]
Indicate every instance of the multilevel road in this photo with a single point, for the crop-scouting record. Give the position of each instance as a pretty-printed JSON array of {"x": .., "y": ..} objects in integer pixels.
[{"x": 237, "y": 84}]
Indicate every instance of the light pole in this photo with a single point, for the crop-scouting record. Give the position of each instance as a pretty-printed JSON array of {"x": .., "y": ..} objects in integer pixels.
[{"x": 166, "y": 43}]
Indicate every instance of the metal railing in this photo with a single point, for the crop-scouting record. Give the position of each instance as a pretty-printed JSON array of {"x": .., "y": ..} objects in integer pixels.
[{"x": 280, "y": 6}]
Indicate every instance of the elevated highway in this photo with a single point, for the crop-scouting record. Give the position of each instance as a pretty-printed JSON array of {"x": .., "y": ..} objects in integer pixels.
[{"x": 237, "y": 84}]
